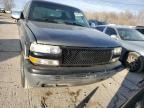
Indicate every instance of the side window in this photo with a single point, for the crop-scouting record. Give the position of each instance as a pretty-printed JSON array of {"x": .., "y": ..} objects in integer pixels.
[
  {"x": 141, "y": 30},
  {"x": 110, "y": 31},
  {"x": 100, "y": 28}
]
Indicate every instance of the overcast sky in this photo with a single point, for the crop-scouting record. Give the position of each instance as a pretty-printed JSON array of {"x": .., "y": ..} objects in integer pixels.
[{"x": 97, "y": 5}]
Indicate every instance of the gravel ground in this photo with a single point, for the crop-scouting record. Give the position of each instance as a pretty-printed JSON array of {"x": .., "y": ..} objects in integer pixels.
[{"x": 111, "y": 93}]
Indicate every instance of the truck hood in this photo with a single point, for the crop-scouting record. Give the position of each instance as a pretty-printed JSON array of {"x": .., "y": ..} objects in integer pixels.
[{"x": 69, "y": 35}]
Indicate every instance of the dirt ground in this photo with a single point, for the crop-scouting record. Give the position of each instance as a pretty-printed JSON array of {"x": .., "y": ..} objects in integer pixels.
[{"x": 111, "y": 93}]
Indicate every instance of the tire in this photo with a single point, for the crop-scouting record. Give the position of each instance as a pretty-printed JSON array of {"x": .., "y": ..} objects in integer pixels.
[
  {"x": 134, "y": 62},
  {"x": 24, "y": 81},
  {"x": 140, "y": 104}
]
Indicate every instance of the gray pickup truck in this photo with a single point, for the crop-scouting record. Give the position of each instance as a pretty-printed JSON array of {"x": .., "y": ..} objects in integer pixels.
[{"x": 60, "y": 49}]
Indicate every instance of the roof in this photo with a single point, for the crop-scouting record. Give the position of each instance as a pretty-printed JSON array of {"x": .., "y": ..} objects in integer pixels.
[
  {"x": 139, "y": 27},
  {"x": 55, "y": 3}
]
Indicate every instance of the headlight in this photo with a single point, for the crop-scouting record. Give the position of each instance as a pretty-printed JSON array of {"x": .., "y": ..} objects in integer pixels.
[
  {"x": 117, "y": 51},
  {"x": 40, "y": 61},
  {"x": 45, "y": 48}
]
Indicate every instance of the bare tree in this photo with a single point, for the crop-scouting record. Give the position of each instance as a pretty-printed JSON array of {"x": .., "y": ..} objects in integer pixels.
[
  {"x": 8, "y": 4},
  {"x": 122, "y": 18},
  {"x": 140, "y": 18}
]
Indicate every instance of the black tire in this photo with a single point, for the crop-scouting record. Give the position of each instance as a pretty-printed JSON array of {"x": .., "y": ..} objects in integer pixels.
[
  {"x": 140, "y": 104},
  {"x": 134, "y": 62},
  {"x": 24, "y": 81}
]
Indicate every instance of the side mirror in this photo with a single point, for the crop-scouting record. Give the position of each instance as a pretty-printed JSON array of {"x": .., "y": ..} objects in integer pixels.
[
  {"x": 16, "y": 15},
  {"x": 114, "y": 37}
]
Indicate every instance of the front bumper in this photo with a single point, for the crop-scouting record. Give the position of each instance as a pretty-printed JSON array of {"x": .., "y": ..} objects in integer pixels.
[{"x": 38, "y": 76}]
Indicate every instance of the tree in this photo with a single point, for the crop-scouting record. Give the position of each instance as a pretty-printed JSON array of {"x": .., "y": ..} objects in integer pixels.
[
  {"x": 8, "y": 4},
  {"x": 140, "y": 18}
]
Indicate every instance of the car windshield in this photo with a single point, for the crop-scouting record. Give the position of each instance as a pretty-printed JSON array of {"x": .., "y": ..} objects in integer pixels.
[
  {"x": 130, "y": 34},
  {"x": 54, "y": 13}
]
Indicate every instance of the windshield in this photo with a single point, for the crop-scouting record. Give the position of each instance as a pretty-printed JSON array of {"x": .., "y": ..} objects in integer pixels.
[
  {"x": 130, "y": 34},
  {"x": 53, "y": 13}
]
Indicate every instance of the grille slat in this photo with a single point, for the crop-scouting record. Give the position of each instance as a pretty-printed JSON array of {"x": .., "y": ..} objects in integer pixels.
[{"x": 85, "y": 57}]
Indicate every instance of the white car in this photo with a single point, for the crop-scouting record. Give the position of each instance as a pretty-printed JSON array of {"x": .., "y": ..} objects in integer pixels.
[{"x": 131, "y": 40}]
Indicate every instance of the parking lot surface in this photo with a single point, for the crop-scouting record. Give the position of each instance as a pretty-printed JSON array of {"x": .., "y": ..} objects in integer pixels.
[{"x": 111, "y": 93}]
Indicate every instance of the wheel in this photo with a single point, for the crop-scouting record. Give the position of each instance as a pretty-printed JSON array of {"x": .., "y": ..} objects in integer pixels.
[
  {"x": 134, "y": 62},
  {"x": 140, "y": 104},
  {"x": 24, "y": 81}
]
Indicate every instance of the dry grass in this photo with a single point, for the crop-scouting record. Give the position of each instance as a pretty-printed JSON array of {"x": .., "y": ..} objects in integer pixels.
[{"x": 122, "y": 18}]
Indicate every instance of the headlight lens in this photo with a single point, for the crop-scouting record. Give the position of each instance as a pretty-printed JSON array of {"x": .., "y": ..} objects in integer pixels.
[
  {"x": 39, "y": 61},
  {"x": 117, "y": 51},
  {"x": 45, "y": 48}
]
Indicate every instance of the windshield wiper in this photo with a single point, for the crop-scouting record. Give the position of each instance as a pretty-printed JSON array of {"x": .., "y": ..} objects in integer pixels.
[
  {"x": 65, "y": 22},
  {"x": 49, "y": 20},
  {"x": 73, "y": 23}
]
